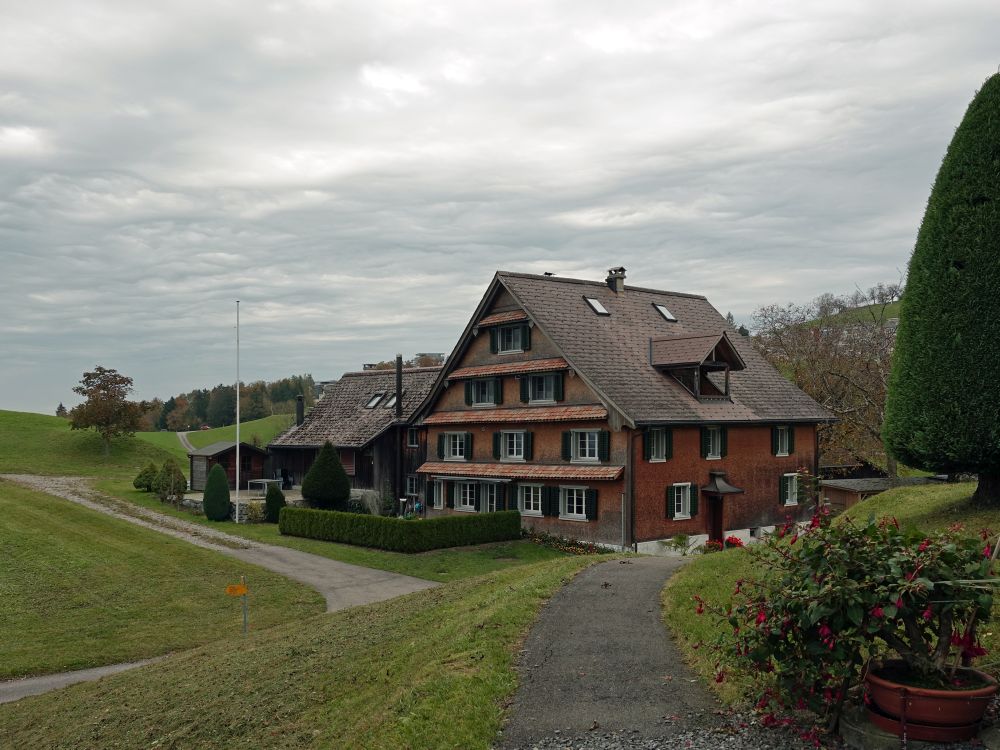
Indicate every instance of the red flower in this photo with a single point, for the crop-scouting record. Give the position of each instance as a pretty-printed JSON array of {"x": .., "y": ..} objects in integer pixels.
[
  {"x": 877, "y": 611},
  {"x": 987, "y": 551},
  {"x": 761, "y": 617},
  {"x": 720, "y": 677},
  {"x": 899, "y": 603},
  {"x": 924, "y": 545},
  {"x": 927, "y": 614}
]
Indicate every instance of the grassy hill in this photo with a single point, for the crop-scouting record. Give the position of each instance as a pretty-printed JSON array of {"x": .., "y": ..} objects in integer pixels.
[{"x": 266, "y": 429}]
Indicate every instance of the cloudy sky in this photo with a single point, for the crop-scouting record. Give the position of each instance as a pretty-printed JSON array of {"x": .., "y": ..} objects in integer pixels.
[{"x": 355, "y": 172}]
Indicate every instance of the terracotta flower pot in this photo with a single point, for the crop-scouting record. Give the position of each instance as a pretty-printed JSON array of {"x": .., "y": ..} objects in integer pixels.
[{"x": 929, "y": 709}]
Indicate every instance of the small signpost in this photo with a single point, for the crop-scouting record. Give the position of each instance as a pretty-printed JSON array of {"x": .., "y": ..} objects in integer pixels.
[{"x": 240, "y": 589}]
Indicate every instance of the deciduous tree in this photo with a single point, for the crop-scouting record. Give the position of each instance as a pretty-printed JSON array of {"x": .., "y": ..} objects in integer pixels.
[{"x": 107, "y": 408}]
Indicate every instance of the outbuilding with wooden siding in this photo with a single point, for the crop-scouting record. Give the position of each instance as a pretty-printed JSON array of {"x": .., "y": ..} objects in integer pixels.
[{"x": 223, "y": 453}]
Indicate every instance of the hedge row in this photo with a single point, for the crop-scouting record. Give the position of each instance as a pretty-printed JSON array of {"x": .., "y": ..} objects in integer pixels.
[{"x": 397, "y": 534}]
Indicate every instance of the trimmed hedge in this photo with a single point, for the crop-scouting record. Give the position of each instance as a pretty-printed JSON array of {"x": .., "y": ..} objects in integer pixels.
[{"x": 397, "y": 534}]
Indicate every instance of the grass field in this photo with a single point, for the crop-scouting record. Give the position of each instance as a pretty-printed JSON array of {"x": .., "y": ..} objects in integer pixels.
[
  {"x": 430, "y": 670},
  {"x": 266, "y": 429},
  {"x": 91, "y": 590},
  {"x": 167, "y": 442},
  {"x": 928, "y": 507}
]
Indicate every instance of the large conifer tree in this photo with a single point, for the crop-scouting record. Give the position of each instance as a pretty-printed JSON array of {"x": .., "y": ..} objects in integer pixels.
[
  {"x": 943, "y": 409},
  {"x": 326, "y": 484}
]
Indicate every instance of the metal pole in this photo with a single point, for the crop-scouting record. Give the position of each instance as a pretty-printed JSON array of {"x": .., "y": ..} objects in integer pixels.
[
  {"x": 243, "y": 580},
  {"x": 238, "y": 412}
]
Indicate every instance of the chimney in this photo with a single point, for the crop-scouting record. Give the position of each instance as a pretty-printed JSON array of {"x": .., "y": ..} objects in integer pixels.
[
  {"x": 399, "y": 386},
  {"x": 300, "y": 409},
  {"x": 616, "y": 279}
]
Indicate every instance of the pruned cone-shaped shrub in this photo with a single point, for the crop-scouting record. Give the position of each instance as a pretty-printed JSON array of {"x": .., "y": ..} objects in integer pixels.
[
  {"x": 170, "y": 484},
  {"x": 144, "y": 479},
  {"x": 274, "y": 501},
  {"x": 326, "y": 484},
  {"x": 216, "y": 499}
]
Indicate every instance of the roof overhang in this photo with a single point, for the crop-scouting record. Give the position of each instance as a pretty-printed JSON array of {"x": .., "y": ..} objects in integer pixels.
[
  {"x": 718, "y": 485},
  {"x": 675, "y": 352}
]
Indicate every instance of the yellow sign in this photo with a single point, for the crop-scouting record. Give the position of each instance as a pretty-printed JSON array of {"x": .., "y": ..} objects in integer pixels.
[{"x": 236, "y": 589}]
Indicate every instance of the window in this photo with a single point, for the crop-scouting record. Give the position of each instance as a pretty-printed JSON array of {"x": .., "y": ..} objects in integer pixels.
[
  {"x": 680, "y": 497},
  {"x": 373, "y": 401},
  {"x": 667, "y": 315},
  {"x": 542, "y": 387},
  {"x": 596, "y": 306},
  {"x": 509, "y": 339},
  {"x": 412, "y": 486},
  {"x": 712, "y": 442},
  {"x": 512, "y": 446},
  {"x": 790, "y": 489},
  {"x": 455, "y": 448},
  {"x": 585, "y": 445},
  {"x": 657, "y": 444},
  {"x": 529, "y": 499},
  {"x": 390, "y": 402},
  {"x": 573, "y": 503},
  {"x": 481, "y": 392},
  {"x": 413, "y": 438},
  {"x": 489, "y": 497},
  {"x": 781, "y": 441},
  {"x": 437, "y": 499},
  {"x": 465, "y": 498}
]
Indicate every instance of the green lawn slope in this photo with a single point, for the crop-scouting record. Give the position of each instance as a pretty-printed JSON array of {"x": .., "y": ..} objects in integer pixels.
[{"x": 265, "y": 429}]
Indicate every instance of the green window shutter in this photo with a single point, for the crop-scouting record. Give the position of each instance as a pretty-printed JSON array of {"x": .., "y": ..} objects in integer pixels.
[
  {"x": 429, "y": 494},
  {"x": 468, "y": 446},
  {"x": 782, "y": 489},
  {"x": 791, "y": 439},
  {"x": 647, "y": 445},
  {"x": 528, "y": 447},
  {"x": 590, "y": 504},
  {"x": 497, "y": 437},
  {"x": 476, "y": 497},
  {"x": 724, "y": 435},
  {"x": 525, "y": 337},
  {"x": 501, "y": 497},
  {"x": 525, "y": 388},
  {"x": 694, "y": 500},
  {"x": 706, "y": 442},
  {"x": 468, "y": 392},
  {"x": 774, "y": 441},
  {"x": 668, "y": 435},
  {"x": 441, "y": 445},
  {"x": 494, "y": 346},
  {"x": 558, "y": 386},
  {"x": 669, "y": 509},
  {"x": 567, "y": 445},
  {"x": 604, "y": 445},
  {"x": 451, "y": 494},
  {"x": 497, "y": 391}
]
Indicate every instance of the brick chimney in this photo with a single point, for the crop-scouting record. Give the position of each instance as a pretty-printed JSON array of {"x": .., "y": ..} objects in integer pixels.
[{"x": 616, "y": 279}]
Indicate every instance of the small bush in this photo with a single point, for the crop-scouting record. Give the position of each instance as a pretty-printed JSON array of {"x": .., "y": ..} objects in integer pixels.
[
  {"x": 144, "y": 479},
  {"x": 397, "y": 534},
  {"x": 326, "y": 485},
  {"x": 274, "y": 501},
  {"x": 216, "y": 501},
  {"x": 253, "y": 513},
  {"x": 170, "y": 483},
  {"x": 563, "y": 544}
]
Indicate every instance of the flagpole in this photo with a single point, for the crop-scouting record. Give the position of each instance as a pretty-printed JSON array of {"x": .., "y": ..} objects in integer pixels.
[{"x": 237, "y": 411}]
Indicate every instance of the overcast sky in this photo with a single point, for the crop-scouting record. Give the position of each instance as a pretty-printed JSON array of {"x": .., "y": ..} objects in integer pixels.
[{"x": 355, "y": 172}]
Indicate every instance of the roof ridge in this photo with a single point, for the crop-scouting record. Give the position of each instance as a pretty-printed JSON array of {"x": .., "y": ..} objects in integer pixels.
[
  {"x": 391, "y": 371},
  {"x": 589, "y": 282}
]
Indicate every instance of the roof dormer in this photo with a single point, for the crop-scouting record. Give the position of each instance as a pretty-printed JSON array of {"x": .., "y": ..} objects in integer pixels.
[{"x": 701, "y": 363}]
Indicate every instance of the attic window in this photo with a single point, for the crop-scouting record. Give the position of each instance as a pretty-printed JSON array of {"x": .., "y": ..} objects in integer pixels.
[
  {"x": 390, "y": 402},
  {"x": 373, "y": 401},
  {"x": 596, "y": 306},
  {"x": 667, "y": 315}
]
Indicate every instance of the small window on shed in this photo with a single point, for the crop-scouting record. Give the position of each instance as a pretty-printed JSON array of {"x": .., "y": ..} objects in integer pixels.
[
  {"x": 596, "y": 306},
  {"x": 373, "y": 401},
  {"x": 667, "y": 315}
]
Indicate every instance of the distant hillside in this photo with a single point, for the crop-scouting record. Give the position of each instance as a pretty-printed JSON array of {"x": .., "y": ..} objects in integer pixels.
[{"x": 266, "y": 429}]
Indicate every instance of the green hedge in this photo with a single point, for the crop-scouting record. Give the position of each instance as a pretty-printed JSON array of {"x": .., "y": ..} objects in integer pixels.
[{"x": 397, "y": 534}]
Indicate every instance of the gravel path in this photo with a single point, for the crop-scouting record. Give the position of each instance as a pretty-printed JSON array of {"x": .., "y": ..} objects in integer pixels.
[
  {"x": 185, "y": 443},
  {"x": 12, "y": 690}
]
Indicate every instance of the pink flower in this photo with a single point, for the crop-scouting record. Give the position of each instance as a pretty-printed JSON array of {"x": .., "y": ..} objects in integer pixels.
[
  {"x": 877, "y": 611},
  {"x": 761, "y": 617},
  {"x": 987, "y": 551},
  {"x": 899, "y": 603},
  {"x": 924, "y": 545},
  {"x": 927, "y": 614}
]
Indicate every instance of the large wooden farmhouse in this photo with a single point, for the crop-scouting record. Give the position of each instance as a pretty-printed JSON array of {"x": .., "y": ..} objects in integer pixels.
[{"x": 614, "y": 414}]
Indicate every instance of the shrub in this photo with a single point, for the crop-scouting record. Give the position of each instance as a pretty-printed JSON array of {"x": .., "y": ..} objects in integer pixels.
[
  {"x": 563, "y": 544},
  {"x": 170, "y": 483},
  {"x": 216, "y": 501},
  {"x": 274, "y": 501},
  {"x": 326, "y": 485},
  {"x": 145, "y": 479},
  {"x": 253, "y": 512},
  {"x": 712, "y": 545},
  {"x": 733, "y": 541},
  {"x": 397, "y": 534}
]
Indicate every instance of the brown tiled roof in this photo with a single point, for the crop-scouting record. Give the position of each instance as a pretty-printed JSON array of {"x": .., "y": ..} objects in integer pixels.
[
  {"x": 340, "y": 415},
  {"x": 513, "y": 316},
  {"x": 520, "y": 471},
  {"x": 612, "y": 352},
  {"x": 677, "y": 351},
  {"x": 509, "y": 368},
  {"x": 526, "y": 414}
]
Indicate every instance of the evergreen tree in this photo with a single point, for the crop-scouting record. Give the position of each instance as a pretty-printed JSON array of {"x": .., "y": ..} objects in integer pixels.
[
  {"x": 216, "y": 500},
  {"x": 942, "y": 412},
  {"x": 170, "y": 483},
  {"x": 146, "y": 478},
  {"x": 274, "y": 501},
  {"x": 326, "y": 484},
  {"x": 61, "y": 410}
]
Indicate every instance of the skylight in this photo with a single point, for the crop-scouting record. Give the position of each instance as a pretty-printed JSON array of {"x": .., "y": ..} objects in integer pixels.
[
  {"x": 373, "y": 402},
  {"x": 391, "y": 401},
  {"x": 596, "y": 306},
  {"x": 667, "y": 315}
]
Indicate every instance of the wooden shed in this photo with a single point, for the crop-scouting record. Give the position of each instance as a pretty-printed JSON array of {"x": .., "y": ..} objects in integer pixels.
[{"x": 223, "y": 453}]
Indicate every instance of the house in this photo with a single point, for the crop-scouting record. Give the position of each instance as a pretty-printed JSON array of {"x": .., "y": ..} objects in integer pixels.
[
  {"x": 614, "y": 414},
  {"x": 253, "y": 463},
  {"x": 362, "y": 417}
]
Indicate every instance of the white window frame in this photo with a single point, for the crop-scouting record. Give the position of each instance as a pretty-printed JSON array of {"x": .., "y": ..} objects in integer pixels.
[
  {"x": 535, "y": 491},
  {"x": 714, "y": 443},
  {"x": 782, "y": 438},
  {"x": 412, "y": 486},
  {"x": 667, "y": 315},
  {"x": 390, "y": 402},
  {"x": 465, "y": 491},
  {"x": 564, "y": 503},
  {"x": 452, "y": 440},
  {"x": 437, "y": 499},
  {"x": 576, "y": 454},
  {"x": 488, "y": 497},
  {"x": 792, "y": 498},
  {"x": 412, "y": 437},
  {"x": 507, "y": 455},
  {"x": 596, "y": 306},
  {"x": 682, "y": 501},
  {"x": 549, "y": 385},
  {"x": 517, "y": 345},
  {"x": 373, "y": 401},
  {"x": 658, "y": 448},
  {"x": 488, "y": 385}
]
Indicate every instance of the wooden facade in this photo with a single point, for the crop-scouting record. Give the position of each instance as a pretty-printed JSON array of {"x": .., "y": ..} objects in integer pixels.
[{"x": 254, "y": 463}]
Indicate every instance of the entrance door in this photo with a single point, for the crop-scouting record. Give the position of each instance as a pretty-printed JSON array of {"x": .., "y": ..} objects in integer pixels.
[{"x": 715, "y": 520}]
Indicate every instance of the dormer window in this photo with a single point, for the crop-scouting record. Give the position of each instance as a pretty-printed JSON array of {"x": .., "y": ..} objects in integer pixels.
[
  {"x": 699, "y": 362},
  {"x": 509, "y": 339},
  {"x": 667, "y": 315},
  {"x": 596, "y": 306},
  {"x": 373, "y": 401}
]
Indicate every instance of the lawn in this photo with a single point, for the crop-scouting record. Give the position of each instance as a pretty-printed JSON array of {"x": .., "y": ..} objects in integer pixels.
[
  {"x": 168, "y": 442},
  {"x": 932, "y": 507},
  {"x": 91, "y": 590},
  {"x": 438, "y": 565},
  {"x": 429, "y": 670},
  {"x": 265, "y": 430}
]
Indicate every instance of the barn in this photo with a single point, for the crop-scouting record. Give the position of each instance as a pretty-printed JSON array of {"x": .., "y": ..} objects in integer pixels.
[{"x": 253, "y": 463}]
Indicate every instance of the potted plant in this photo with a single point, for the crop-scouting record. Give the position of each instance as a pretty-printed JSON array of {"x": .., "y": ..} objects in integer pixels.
[{"x": 837, "y": 600}]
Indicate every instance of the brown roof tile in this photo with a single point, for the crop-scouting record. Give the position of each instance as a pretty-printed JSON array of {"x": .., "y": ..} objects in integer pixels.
[
  {"x": 513, "y": 316},
  {"x": 525, "y": 414},
  {"x": 509, "y": 368},
  {"x": 520, "y": 471}
]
